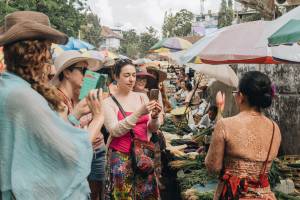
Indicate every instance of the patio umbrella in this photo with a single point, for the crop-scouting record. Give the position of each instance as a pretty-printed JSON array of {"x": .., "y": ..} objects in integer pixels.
[
  {"x": 76, "y": 44},
  {"x": 173, "y": 43},
  {"x": 238, "y": 44},
  {"x": 176, "y": 57},
  {"x": 281, "y": 52},
  {"x": 157, "y": 45},
  {"x": 176, "y": 43},
  {"x": 287, "y": 34},
  {"x": 222, "y": 73},
  {"x": 232, "y": 44}
]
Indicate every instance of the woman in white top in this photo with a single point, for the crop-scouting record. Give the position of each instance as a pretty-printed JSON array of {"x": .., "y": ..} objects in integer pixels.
[{"x": 142, "y": 118}]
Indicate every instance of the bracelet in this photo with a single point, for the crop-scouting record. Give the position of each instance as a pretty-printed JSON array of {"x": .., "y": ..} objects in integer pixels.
[{"x": 73, "y": 120}]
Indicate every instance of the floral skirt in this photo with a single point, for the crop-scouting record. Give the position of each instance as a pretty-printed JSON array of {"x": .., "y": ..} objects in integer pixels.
[{"x": 121, "y": 184}]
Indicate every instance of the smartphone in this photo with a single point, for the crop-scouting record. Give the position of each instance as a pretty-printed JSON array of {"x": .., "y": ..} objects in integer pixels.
[
  {"x": 154, "y": 94},
  {"x": 92, "y": 80},
  {"x": 102, "y": 83}
]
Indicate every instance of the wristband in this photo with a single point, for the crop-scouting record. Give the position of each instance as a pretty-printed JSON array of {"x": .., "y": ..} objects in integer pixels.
[{"x": 73, "y": 120}]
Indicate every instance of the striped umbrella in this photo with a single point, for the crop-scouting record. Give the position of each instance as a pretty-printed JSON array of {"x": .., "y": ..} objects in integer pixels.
[
  {"x": 173, "y": 43},
  {"x": 158, "y": 45}
]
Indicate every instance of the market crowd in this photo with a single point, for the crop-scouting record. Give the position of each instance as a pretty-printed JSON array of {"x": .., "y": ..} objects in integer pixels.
[{"x": 107, "y": 145}]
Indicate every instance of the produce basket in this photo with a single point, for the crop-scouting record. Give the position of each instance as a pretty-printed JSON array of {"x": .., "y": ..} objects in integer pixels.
[{"x": 289, "y": 167}]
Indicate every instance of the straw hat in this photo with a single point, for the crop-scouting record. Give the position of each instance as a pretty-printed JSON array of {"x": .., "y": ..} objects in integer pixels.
[
  {"x": 161, "y": 74},
  {"x": 68, "y": 58},
  {"x": 24, "y": 25}
]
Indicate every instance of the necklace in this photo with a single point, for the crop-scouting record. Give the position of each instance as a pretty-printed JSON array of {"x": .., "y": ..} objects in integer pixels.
[{"x": 68, "y": 102}]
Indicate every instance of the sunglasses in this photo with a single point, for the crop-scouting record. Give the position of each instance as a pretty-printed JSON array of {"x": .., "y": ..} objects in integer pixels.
[
  {"x": 140, "y": 79},
  {"x": 81, "y": 69}
]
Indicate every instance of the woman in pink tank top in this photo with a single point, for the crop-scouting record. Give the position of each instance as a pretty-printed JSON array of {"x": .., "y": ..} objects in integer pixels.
[{"x": 142, "y": 118}]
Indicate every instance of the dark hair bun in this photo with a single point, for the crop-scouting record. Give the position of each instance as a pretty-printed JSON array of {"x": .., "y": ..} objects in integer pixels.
[{"x": 257, "y": 87}]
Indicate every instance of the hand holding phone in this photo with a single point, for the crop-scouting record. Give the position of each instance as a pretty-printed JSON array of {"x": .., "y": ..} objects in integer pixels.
[
  {"x": 92, "y": 80},
  {"x": 154, "y": 94}
]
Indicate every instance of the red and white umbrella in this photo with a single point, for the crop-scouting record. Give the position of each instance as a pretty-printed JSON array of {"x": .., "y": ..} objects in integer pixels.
[
  {"x": 243, "y": 43},
  {"x": 233, "y": 44}
]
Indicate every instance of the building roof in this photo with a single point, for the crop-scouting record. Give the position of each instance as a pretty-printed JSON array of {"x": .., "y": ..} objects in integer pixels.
[
  {"x": 106, "y": 32},
  {"x": 192, "y": 39}
]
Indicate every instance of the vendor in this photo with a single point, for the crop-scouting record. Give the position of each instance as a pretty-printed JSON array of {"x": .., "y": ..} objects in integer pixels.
[
  {"x": 182, "y": 93},
  {"x": 192, "y": 97},
  {"x": 209, "y": 119}
]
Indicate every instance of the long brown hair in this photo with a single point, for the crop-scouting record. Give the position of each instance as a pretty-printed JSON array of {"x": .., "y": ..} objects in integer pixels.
[
  {"x": 165, "y": 100},
  {"x": 30, "y": 60}
]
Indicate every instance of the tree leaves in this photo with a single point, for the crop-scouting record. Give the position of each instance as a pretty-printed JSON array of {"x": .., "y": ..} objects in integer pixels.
[
  {"x": 135, "y": 45},
  {"x": 179, "y": 24},
  {"x": 226, "y": 14},
  {"x": 70, "y": 17}
]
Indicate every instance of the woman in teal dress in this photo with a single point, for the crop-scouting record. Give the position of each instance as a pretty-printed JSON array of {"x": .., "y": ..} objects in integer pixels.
[{"x": 41, "y": 156}]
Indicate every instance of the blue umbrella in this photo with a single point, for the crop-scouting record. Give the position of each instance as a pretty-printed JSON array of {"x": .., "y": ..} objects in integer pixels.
[{"x": 76, "y": 44}]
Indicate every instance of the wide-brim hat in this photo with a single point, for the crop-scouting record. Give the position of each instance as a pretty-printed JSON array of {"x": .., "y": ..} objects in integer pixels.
[
  {"x": 27, "y": 25},
  {"x": 69, "y": 58},
  {"x": 154, "y": 67},
  {"x": 142, "y": 72}
]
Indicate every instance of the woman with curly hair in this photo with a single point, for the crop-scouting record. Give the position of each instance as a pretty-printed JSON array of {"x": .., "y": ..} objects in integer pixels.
[{"x": 41, "y": 156}]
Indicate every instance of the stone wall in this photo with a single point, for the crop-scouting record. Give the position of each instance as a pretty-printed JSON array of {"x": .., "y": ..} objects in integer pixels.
[
  {"x": 286, "y": 106},
  {"x": 230, "y": 108}
]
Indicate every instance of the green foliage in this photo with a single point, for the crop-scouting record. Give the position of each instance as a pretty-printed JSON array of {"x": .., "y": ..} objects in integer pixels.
[
  {"x": 147, "y": 40},
  {"x": 251, "y": 17},
  {"x": 225, "y": 14},
  {"x": 168, "y": 25},
  {"x": 135, "y": 45},
  {"x": 91, "y": 29},
  {"x": 179, "y": 24},
  {"x": 66, "y": 16},
  {"x": 130, "y": 43}
]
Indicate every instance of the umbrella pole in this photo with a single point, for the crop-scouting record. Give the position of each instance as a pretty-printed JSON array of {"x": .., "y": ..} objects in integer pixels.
[{"x": 190, "y": 101}]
